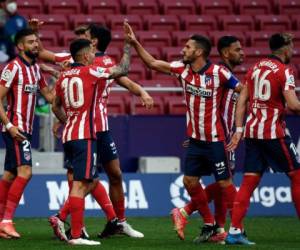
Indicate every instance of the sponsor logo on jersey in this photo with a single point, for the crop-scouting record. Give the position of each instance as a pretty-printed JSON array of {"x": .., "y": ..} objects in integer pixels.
[
  {"x": 30, "y": 88},
  {"x": 198, "y": 91},
  {"x": 6, "y": 75}
]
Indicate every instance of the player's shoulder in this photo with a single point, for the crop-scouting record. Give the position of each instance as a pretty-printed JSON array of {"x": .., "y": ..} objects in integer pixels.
[
  {"x": 104, "y": 60},
  {"x": 178, "y": 64}
]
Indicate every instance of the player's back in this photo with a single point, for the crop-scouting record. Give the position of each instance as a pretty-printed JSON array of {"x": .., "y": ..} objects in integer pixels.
[
  {"x": 77, "y": 89},
  {"x": 266, "y": 82}
]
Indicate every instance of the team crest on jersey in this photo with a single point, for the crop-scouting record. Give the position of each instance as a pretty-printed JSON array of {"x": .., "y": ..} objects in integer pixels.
[
  {"x": 27, "y": 156},
  {"x": 6, "y": 75},
  {"x": 107, "y": 61},
  {"x": 30, "y": 88},
  {"x": 207, "y": 80},
  {"x": 100, "y": 70},
  {"x": 290, "y": 80},
  {"x": 198, "y": 91}
]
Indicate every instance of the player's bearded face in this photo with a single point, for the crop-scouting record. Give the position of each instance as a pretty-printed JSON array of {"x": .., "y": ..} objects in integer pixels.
[
  {"x": 189, "y": 52},
  {"x": 31, "y": 47},
  {"x": 236, "y": 54},
  {"x": 289, "y": 54}
]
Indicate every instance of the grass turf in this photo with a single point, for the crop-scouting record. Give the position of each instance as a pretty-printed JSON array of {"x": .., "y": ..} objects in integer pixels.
[{"x": 269, "y": 233}]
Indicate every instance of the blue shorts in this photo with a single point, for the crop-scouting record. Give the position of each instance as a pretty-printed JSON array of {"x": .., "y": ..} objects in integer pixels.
[
  {"x": 279, "y": 154},
  {"x": 206, "y": 158},
  {"x": 17, "y": 153},
  {"x": 106, "y": 148},
  {"x": 82, "y": 156}
]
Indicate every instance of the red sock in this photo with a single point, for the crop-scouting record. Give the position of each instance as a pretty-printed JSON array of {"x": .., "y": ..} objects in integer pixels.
[
  {"x": 13, "y": 197},
  {"x": 198, "y": 197},
  {"x": 211, "y": 191},
  {"x": 228, "y": 195},
  {"x": 65, "y": 210},
  {"x": 4, "y": 187},
  {"x": 295, "y": 186},
  {"x": 220, "y": 209},
  {"x": 77, "y": 213},
  {"x": 101, "y": 196},
  {"x": 119, "y": 207},
  {"x": 190, "y": 207},
  {"x": 242, "y": 199}
]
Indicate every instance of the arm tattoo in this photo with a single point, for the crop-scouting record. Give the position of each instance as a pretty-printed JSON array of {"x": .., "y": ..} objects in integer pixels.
[{"x": 123, "y": 68}]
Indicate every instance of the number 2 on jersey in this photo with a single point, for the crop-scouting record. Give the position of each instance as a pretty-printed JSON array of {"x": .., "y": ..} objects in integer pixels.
[
  {"x": 262, "y": 86},
  {"x": 71, "y": 85}
]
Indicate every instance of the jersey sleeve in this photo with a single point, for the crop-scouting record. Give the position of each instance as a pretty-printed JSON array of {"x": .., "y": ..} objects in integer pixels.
[
  {"x": 177, "y": 68},
  {"x": 99, "y": 72},
  {"x": 227, "y": 79},
  {"x": 287, "y": 79},
  {"x": 9, "y": 75}
]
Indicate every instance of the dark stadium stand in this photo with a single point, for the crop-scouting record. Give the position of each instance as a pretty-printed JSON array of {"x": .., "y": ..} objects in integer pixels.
[{"x": 163, "y": 27}]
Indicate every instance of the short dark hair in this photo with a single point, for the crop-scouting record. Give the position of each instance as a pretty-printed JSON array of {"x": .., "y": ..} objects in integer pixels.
[
  {"x": 279, "y": 40},
  {"x": 203, "y": 42},
  {"x": 77, "y": 45},
  {"x": 102, "y": 33},
  {"x": 23, "y": 33},
  {"x": 81, "y": 29},
  {"x": 225, "y": 42}
]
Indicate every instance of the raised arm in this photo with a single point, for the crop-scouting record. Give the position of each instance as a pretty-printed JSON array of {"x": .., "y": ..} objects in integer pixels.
[{"x": 149, "y": 60}]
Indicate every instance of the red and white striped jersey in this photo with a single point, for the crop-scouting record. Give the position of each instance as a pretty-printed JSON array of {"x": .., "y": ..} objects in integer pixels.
[
  {"x": 101, "y": 120},
  {"x": 203, "y": 92},
  {"x": 229, "y": 100},
  {"x": 23, "y": 80},
  {"x": 77, "y": 89},
  {"x": 266, "y": 82}
]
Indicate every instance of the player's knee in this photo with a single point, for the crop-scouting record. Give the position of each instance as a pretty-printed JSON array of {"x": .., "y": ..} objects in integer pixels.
[
  {"x": 25, "y": 172},
  {"x": 190, "y": 182},
  {"x": 225, "y": 183},
  {"x": 8, "y": 176}
]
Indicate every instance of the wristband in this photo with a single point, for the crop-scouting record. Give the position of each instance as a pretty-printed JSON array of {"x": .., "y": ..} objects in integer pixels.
[
  {"x": 8, "y": 126},
  {"x": 239, "y": 129}
]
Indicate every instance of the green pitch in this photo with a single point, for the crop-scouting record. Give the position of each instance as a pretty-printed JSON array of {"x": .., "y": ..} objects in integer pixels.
[{"x": 268, "y": 233}]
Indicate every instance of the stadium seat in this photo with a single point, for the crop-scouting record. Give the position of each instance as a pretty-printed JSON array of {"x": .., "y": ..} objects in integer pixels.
[
  {"x": 175, "y": 105},
  {"x": 82, "y": 19},
  {"x": 288, "y": 7},
  {"x": 215, "y": 7},
  {"x": 296, "y": 22},
  {"x": 66, "y": 7},
  {"x": 53, "y": 22},
  {"x": 252, "y": 55},
  {"x": 154, "y": 51},
  {"x": 48, "y": 38},
  {"x": 259, "y": 38},
  {"x": 296, "y": 39},
  {"x": 137, "y": 72},
  {"x": 216, "y": 35},
  {"x": 254, "y": 7},
  {"x": 181, "y": 37},
  {"x": 161, "y": 22},
  {"x": 159, "y": 39},
  {"x": 214, "y": 56},
  {"x": 172, "y": 53},
  {"x": 272, "y": 22},
  {"x": 103, "y": 7},
  {"x": 116, "y": 105},
  {"x": 115, "y": 53},
  {"x": 236, "y": 23},
  {"x": 158, "y": 76},
  {"x": 117, "y": 39},
  {"x": 137, "y": 108},
  {"x": 30, "y": 7},
  {"x": 115, "y": 22},
  {"x": 241, "y": 70},
  {"x": 159, "y": 83},
  {"x": 65, "y": 37},
  {"x": 296, "y": 56},
  {"x": 141, "y": 7},
  {"x": 198, "y": 23},
  {"x": 177, "y": 7},
  {"x": 59, "y": 49}
]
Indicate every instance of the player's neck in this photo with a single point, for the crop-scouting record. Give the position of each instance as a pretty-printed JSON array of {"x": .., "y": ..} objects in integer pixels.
[
  {"x": 27, "y": 58},
  {"x": 198, "y": 64},
  {"x": 280, "y": 56},
  {"x": 227, "y": 64}
]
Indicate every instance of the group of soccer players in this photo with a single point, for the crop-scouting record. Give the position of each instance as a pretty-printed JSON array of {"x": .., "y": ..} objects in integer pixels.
[{"x": 211, "y": 95}]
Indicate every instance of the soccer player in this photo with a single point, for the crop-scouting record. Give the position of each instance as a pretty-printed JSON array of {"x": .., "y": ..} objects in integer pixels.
[
  {"x": 232, "y": 55},
  {"x": 203, "y": 85},
  {"x": 20, "y": 81},
  {"x": 269, "y": 86},
  {"x": 106, "y": 148},
  {"x": 76, "y": 94}
]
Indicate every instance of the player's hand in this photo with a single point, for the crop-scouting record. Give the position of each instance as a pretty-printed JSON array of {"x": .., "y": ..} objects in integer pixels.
[
  {"x": 56, "y": 129},
  {"x": 16, "y": 134},
  {"x": 234, "y": 142},
  {"x": 35, "y": 24},
  {"x": 65, "y": 64},
  {"x": 147, "y": 100},
  {"x": 129, "y": 34},
  {"x": 186, "y": 143}
]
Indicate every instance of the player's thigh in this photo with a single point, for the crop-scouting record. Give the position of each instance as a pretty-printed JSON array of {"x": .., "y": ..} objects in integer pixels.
[
  {"x": 255, "y": 161},
  {"x": 17, "y": 153},
  {"x": 282, "y": 155},
  {"x": 83, "y": 158},
  {"x": 218, "y": 161},
  {"x": 195, "y": 162}
]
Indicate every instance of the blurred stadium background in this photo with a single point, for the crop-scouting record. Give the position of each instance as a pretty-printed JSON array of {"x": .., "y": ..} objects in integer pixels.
[{"x": 149, "y": 141}]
